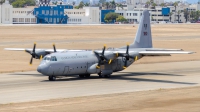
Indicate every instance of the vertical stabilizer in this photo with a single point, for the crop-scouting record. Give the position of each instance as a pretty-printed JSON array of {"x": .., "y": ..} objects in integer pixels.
[{"x": 143, "y": 37}]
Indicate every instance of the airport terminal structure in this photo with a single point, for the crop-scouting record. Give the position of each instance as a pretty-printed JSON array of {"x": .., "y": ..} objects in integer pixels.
[{"x": 47, "y": 13}]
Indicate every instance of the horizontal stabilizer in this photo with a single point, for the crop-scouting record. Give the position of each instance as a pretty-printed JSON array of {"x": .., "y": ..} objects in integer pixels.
[{"x": 163, "y": 53}]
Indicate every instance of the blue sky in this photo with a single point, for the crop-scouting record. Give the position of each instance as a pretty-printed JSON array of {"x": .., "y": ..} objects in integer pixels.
[{"x": 189, "y": 1}]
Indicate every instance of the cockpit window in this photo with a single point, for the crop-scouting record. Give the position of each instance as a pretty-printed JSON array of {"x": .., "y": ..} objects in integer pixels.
[
  {"x": 48, "y": 58},
  {"x": 53, "y": 58}
]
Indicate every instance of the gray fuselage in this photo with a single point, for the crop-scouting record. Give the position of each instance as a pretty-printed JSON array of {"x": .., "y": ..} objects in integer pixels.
[{"x": 78, "y": 62}]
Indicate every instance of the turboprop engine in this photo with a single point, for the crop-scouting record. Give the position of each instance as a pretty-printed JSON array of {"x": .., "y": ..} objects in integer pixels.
[
  {"x": 92, "y": 69},
  {"x": 104, "y": 56},
  {"x": 38, "y": 54}
]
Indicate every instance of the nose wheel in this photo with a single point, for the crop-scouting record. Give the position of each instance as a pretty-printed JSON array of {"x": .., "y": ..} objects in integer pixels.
[{"x": 52, "y": 78}]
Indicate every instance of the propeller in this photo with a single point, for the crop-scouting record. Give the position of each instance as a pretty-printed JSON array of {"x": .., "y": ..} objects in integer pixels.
[
  {"x": 102, "y": 57},
  {"x": 127, "y": 57},
  {"x": 33, "y": 54}
]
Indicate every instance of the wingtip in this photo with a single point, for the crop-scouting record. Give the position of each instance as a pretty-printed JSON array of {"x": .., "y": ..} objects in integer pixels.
[{"x": 191, "y": 52}]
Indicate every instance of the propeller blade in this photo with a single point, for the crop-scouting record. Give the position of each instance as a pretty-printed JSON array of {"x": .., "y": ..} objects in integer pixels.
[
  {"x": 110, "y": 61},
  {"x": 104, "y": 48},
  {"x": 125, "y": 64},
  {"x": 97, "y": 66},
  {"x": 117, "y": 54},
  {"x": 127, "y": 49},
  {"x": 27, "y": 51},
  {"x": 41, "y": 57},
  {"x": 54, "y": 47},
  {"x": 136, "y": 58},
  {"x": 31, "y": 61},
  {"x": 99, "y": 63},
  {"x": 34, "y": 46}
]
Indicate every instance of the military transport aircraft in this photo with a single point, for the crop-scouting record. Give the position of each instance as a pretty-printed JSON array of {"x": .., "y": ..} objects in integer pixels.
[{"x": 103, "y": 62}]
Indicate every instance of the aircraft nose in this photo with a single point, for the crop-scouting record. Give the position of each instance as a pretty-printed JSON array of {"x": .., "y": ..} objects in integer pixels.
[
  {"x": 39, "y": 69},
  {"x": 43, "y": 69}
]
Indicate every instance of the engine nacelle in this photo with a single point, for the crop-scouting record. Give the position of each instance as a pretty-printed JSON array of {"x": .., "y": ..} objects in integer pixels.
[
  {"x": 109, "y": 55},
  {"x": 106, "y": 72},
  {"x": 92, "y": 69},
  {"x": 134, "y": 54},
  {"x": 40, "y": 53}
]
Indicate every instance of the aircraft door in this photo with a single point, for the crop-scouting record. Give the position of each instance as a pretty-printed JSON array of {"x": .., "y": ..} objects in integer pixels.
[{"x": 66, "y": 71}]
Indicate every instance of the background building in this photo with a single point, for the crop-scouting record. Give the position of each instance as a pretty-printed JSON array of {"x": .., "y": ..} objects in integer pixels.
[
  {"x": 87, "y": 15},
  {"x": 6, "y": 12},
  {"x": 133, "y": 16},
  {"x": 23, "y": 16},
  {"x": 47, "y": 14}
]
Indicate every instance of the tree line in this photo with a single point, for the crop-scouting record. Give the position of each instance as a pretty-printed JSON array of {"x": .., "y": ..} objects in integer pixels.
[
  {"x": 20, "y": 3},
  {"x": 114, "y": 17}
]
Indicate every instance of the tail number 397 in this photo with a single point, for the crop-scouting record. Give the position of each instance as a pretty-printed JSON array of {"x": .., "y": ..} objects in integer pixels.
[{"x": 145, "y": 33}]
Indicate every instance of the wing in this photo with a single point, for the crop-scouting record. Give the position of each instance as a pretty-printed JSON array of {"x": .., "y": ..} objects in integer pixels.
[
  {"x": 29, "y": 49},
  {"x": 156, "y": 52},
  {"x": 162, "y": 49}
]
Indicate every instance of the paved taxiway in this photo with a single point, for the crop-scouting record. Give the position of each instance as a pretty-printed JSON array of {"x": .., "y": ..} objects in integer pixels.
[{"x": 32, "y": 86}]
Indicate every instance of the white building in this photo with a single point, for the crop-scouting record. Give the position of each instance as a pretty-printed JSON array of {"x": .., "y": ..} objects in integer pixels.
[
  {"x": 23, "y": 16},
  {"x": 133, "y": 16},
  {"x": 6, "y": 13},
  {"x": 194, "y": 7},
  {"x": 157, "y": 14},
  {"x": 136, "y": 2},
  {"x": 87, "y": 15},
  {"x": 10, "y": 15}
]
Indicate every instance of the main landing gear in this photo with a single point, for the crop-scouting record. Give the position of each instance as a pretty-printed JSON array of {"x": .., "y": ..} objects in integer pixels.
[
  {"x": 84, "y": 75},
  {"x": 104, "y": 76}
]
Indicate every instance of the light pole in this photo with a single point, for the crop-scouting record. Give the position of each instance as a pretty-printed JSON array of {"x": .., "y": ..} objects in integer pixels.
[
  {"x": 1, "y": 10},
  {"x": 1, "y": 2}
]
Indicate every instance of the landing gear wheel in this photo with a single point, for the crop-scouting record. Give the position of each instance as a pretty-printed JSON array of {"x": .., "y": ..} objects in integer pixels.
[
  {"x": 81, "y": 76},
  {"x": 107, "y": 76},
  {"x": 100, "y": 76},
  {"x": 52, "y": 78},
  {"x": 87, "y": 75}
]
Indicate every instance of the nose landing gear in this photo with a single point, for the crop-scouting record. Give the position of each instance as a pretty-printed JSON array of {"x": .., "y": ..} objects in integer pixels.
[{"x": 52, "y": 78}]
